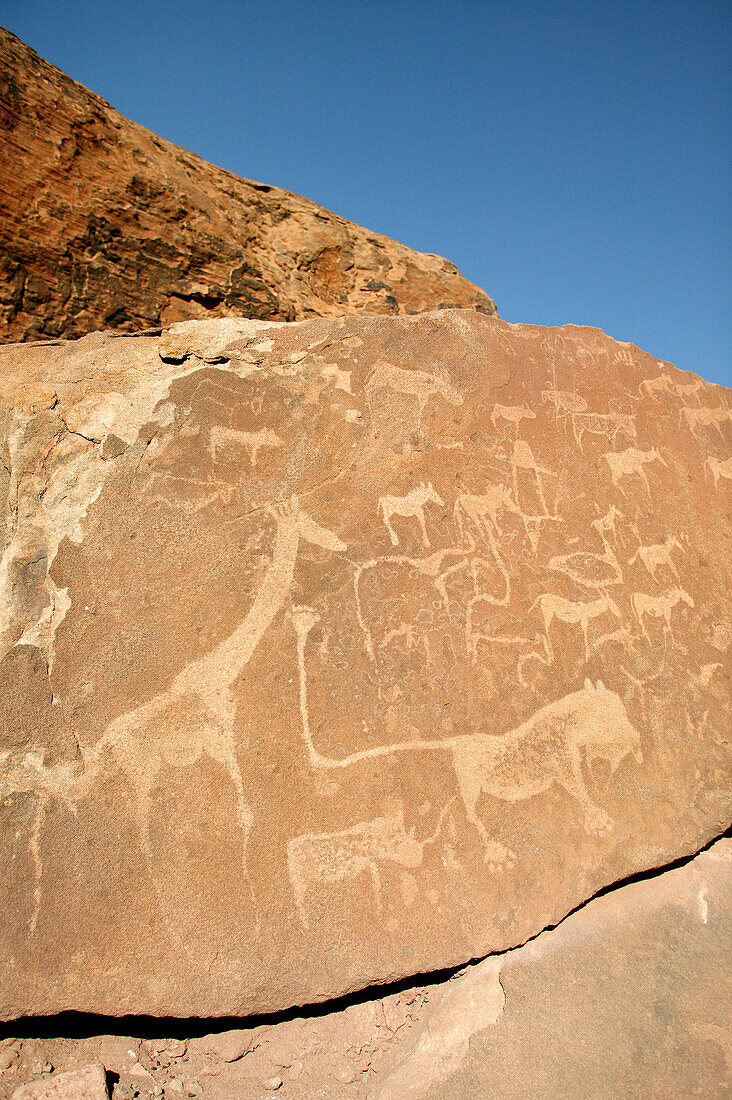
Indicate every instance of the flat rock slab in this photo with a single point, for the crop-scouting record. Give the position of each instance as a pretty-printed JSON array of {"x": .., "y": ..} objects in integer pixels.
[
  {"x": 345, "y": 650},
  {"x": 89, "y": 1083},
  {"x": 629, "y": 997}
]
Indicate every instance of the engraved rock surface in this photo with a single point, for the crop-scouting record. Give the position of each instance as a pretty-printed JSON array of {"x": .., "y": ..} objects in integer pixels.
[
  {"x": 105, "y": 225},
  {"x": 340, "y": 651}
]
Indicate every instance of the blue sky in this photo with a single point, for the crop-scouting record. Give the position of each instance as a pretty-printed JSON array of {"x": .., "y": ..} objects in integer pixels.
[{"x": 571, "y": 158}]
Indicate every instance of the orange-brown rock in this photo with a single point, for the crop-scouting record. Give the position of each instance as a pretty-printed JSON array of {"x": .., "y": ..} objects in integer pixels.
[
  {"x": 105, "y": 225},
  {"x": 345, "y": 650}
]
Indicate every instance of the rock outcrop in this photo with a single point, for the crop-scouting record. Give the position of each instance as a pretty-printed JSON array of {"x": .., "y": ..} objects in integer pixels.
[
  {"x": 346, "y": 650},
  {"x": 635, "y": 978},
  {"x": 105, "y": 225}
]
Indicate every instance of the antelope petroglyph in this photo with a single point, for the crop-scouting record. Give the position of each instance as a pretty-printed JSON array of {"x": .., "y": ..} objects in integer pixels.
[
  {"x": 251, "y": 441},
  {"x": 632, "y": 463},
  {"x": 719, "y": 468},
  {"x": 547, "y": 749},
  {"x": 610, "y": 425},
  {"x": 511, "y": 414},
  {"x": 573, "y": 613},
  {"x": 411, "y": 505},
  {"x": 706, "y": 418},
  {"x": 659, "y": 554},
  {"x": 658, "y": 607},
  {"x": 317, "y": 859}
]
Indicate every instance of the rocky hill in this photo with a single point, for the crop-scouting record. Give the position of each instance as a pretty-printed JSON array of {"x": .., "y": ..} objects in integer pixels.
[{"x": 105, "y": 225}]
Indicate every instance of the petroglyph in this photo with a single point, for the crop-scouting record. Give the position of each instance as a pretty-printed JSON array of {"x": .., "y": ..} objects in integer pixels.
[
  {"x": 546, "y": 749},
  {"x": 719, "y": 468},
  {"x": 317, "y": 859},
  {"x": 522, "y": 458},
  {"x": 658, "y": 607},
  {"x": 412, "y": 505},
  {"x": 419, "y": 384},
  {"x": 575, "y": 613},
  {"x": 512, "y": 414},
  {"x": 632, "y": 463},
  {"x": 695, "y": 418},
  {"x": 563, "y": 402},
  {"x": 658, "y": 555},
  {"x": 482, "y": 510},
  {"x": 251, "y": 441},
  {"x": 609, "y": 425},
  {"x": 195, "y": 716}
]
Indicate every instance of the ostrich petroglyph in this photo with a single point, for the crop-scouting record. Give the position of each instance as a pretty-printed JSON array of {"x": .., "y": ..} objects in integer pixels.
[
  {"x": 411, "y": 505},
  {"x": 547, "y": 749}
]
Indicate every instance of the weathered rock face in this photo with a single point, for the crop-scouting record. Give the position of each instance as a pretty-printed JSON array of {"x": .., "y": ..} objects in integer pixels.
[
  {"x": 346, "y": 650},
  {"x": 637, "y": 979},
  {"x": 104, "y": 225}
]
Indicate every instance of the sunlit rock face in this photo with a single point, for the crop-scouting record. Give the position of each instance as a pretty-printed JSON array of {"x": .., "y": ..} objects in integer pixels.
[
  {"x": 105, "y": 225},
  {"x": 345, "y": 650}
]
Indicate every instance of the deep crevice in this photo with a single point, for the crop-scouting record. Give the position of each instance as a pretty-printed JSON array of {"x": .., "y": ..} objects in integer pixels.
[{"x": 83, "y": 1025}]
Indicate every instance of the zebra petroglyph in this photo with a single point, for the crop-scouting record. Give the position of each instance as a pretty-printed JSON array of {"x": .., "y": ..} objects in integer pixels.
[
  {"x": 574, "y": 613},
  {"x": 511, "y": 414},
  {"x": 251, "y": 441}
]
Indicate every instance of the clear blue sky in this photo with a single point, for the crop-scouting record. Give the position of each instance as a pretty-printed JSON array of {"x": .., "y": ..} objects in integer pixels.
[{"x": 572, "y": 158}]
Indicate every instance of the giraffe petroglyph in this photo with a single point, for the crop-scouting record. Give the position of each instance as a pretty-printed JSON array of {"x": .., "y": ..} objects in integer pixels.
[
  {"x": 412, "y": 504},
  {"x": 195, "y": 716},
  {"x": 544, "y": 750}
]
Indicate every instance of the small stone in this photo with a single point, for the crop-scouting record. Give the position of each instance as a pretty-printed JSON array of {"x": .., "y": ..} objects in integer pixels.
[
  {"x": 8, "y": 1057},
  {"x": 47, "y": 1068},
  {"x": 193, "y": 1088},
  {"x": 272, "y": 1084},
  {"x": 174, "y": 1087}
]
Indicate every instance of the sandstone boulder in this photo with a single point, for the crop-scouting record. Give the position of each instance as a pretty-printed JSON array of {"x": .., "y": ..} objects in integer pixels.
[
  {"x": 339, "y": 651},
  {"x": 104, "y": 224}
]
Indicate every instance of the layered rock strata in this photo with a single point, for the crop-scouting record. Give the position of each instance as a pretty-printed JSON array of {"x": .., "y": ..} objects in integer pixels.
[
  {"x": 342, "y": 651},
  {"x": 105, "y": 225}
]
